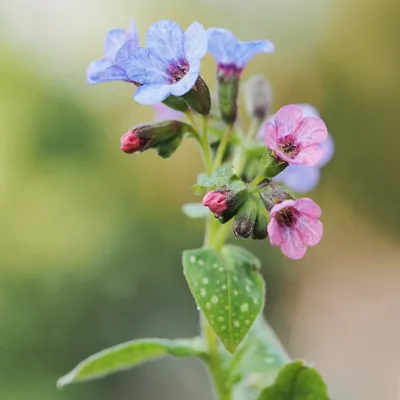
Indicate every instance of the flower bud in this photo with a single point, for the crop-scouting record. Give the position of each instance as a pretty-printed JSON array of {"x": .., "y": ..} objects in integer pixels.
[
  {"x": 271, "y": 195},
  {"x": 228, "y": 87},
  {"x": 198, "y": 98},
  {"x": 164, "y": 136},
  {"x": 245, "y": 219},
  {"x": 225, "y": 201},
  {"x": 258, "y": 97}
]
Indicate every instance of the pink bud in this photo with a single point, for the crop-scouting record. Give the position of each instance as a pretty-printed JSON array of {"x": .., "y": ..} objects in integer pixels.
[
  {"x": 131, "y": 142},
  {"x": 216, "y": 202}
]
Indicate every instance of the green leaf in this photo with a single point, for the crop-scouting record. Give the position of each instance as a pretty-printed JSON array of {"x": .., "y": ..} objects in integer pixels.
[
  {"x": 260, "y": 356},
  {"x": 129, "y": 354},
  {"x": 296, "y": 381},
  {"x": 228, "y": 288},
  {"x": 195, "y": 210}
]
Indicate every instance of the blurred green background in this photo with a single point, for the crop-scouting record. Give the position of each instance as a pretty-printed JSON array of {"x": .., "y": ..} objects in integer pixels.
[{"x": 91, "y": 238}]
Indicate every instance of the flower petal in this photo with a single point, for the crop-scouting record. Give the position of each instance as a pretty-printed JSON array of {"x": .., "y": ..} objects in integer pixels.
[
  {"x": 310, "y": 229},
  {"x": 329, "y": 148},
  {"x": 151, "y": 94},
  {"x": 195, "y": 42},
  {"x": 162, "y": 113},
  {"x": 308, "y": 207},
  {"x": 96, "y": 74},
  {"x": 145, "y": 68},
  {"x": 288, "y": 119},
  {"x": 114, "y": 40},
  {"x": 308, "y": 110},
  {"x": 221, "y": 44},
  {"x": 247, "y": 50},
  {"x": 165, "y": 40},
  {"x": 122, "y": 56},
  {"x": 270, "y": 135},
  {"x": 280, "y": 206},
  {"x": 274, "y": 232},
  {"x": 299, "y": 178},
  {"x": 292, "y": 245},
  {"x": 187, "y": 82},
  {"x": 311, "y": 130},
  {"x": 133, "y": 33},
  {"x": 309, "y": 156}
]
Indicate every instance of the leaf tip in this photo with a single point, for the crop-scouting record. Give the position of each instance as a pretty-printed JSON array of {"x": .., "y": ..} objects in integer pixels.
[{"x": 65, "y": 380}]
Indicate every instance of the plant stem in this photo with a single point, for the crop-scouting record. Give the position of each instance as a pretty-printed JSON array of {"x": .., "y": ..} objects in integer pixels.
[
  {"x": 214, "y": 362},
  {"x": 206, "y": 146},
  {"x": 222, "y": 147}
]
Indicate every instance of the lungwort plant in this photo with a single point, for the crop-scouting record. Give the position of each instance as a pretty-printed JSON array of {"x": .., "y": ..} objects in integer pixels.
[{"x": 241, "y": 196}]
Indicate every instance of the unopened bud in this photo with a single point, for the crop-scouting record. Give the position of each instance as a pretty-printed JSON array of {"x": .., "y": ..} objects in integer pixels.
[
  {"x": 258, "y": 97},
  {"x": 225, "y": 201},
  {"x": 164, "y": 136},
  {"x": 198, "y": 98},
  {"x": 245, "y": 219},
  {"x": 260, "y": 227},
  {"x": 271, "y": 195},
  {"x": 228, "y": 87}
]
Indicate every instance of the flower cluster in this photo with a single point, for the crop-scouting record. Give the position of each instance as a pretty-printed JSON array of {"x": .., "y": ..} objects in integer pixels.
[{"x": 244, "y": 172}]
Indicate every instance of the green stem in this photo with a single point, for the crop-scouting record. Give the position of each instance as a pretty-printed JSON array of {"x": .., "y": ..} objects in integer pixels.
[
  {"x": 256, "y": 181},
  {"x": 206, "y": 146},
  {"x": 222, "y": 147},
  {"x": 214, "y": 362}
]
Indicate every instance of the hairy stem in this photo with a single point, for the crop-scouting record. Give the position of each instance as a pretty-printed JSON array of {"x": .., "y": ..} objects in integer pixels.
[
  {"x": 206, "y": 147},
  {"x": 222, "y": 147}
]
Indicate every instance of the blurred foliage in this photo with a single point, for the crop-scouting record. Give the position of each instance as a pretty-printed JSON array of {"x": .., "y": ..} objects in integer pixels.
[{"x": 91, "y": 239}]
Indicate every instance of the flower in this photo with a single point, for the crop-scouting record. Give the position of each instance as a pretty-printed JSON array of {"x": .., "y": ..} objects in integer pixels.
[
  {"x": 294, "y": 138},
  {"x": 301, "y": 178},
  {"x": 231, "y": 53},
  {"x": 216, "y": 202},
  {"x": 171, "y": 62},
  {"x": 117, "y": 46},
  {"x": 131, "y": 142},
  {"x": 294, "y": 225},
  {"x": 165, "y": 113}
]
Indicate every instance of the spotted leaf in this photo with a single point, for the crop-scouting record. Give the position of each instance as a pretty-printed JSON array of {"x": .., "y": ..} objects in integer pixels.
[{"x": 228, "y": 289}]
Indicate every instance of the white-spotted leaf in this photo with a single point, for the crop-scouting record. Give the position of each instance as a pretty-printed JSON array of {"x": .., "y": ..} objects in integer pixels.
[
  {"x": 195, "y": 210},
  {"x": 129, "y": 354},
  {"x": 228, "y": 289}
]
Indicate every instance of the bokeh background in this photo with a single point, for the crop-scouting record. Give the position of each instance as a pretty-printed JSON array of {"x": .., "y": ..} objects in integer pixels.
[{"x": 91, "y": 238}]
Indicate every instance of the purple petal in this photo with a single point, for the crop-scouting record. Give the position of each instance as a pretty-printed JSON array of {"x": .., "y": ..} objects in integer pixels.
[
  {"x": 187, "y": 82},
  {"x": 165, "y": 113},
  {"x": 329, "y": 148},
  {"x": 308, "y": 110},
  {"x": 152, "y": 94},
  {"x": 288, "y": 119},
  {"x": 165, "y": 40},
  {"x": 299, "y": 178},
  {"x": 97, "y": 74},
  {"x": 145, "y": 68},
  {"x": 122, "y": 56},
  {"x": 247, "y": 50},
  {"x": 222, "y": 44},
  {"x": 114, "y": 40},
  {"x": 309, "y": 156},
  {"x": 310, "y": 229},
  {"x": 292, "y": 244},
  {"x": 308, "y": 207},
  {"x": 195, "y": 42},
  {"x": 274, "y": 232},
  {"x": 311, "y": 130}
]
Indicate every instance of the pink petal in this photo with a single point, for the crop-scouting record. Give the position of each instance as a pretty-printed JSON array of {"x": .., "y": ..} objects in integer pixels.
[
  {"x": 309, "y": 156},
  {"x": 311, "y": 130},
  {"x": 308, "y": 207},
  {"x": 270, "y": 135},
  {"x": 288, "y": 119},
  {"x": 310, "y": 229},
  {"x": 292, "y": 245},
  {"x": 280, "y": 206},
  {"x": 274, "y": 232}
]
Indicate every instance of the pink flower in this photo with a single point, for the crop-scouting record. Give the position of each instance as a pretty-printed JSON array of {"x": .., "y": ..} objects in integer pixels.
[
  {"x": 216, "y": 202},
  {"x": 163, "y": 113},
  {"x": 295, "y": 139},
  {"x": 294, "y": 225},
  {"x": 131, "y": 142}
]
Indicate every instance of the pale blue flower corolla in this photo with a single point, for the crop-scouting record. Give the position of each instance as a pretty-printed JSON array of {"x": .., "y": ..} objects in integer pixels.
[
  {"x": 301, "y": 178},
  {"x": 170, "y": 65},
  {"x": 231, "y": 53},
  {"x": 117, "y": 46}
]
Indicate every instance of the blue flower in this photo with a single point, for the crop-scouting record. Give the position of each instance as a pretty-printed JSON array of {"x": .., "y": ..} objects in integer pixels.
[
  {"x": 171, "y": 63},
  {"x": 117, "y": 46},
  {"x": 231, "y": 53},
  {"x": 301, "y": 178}
]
